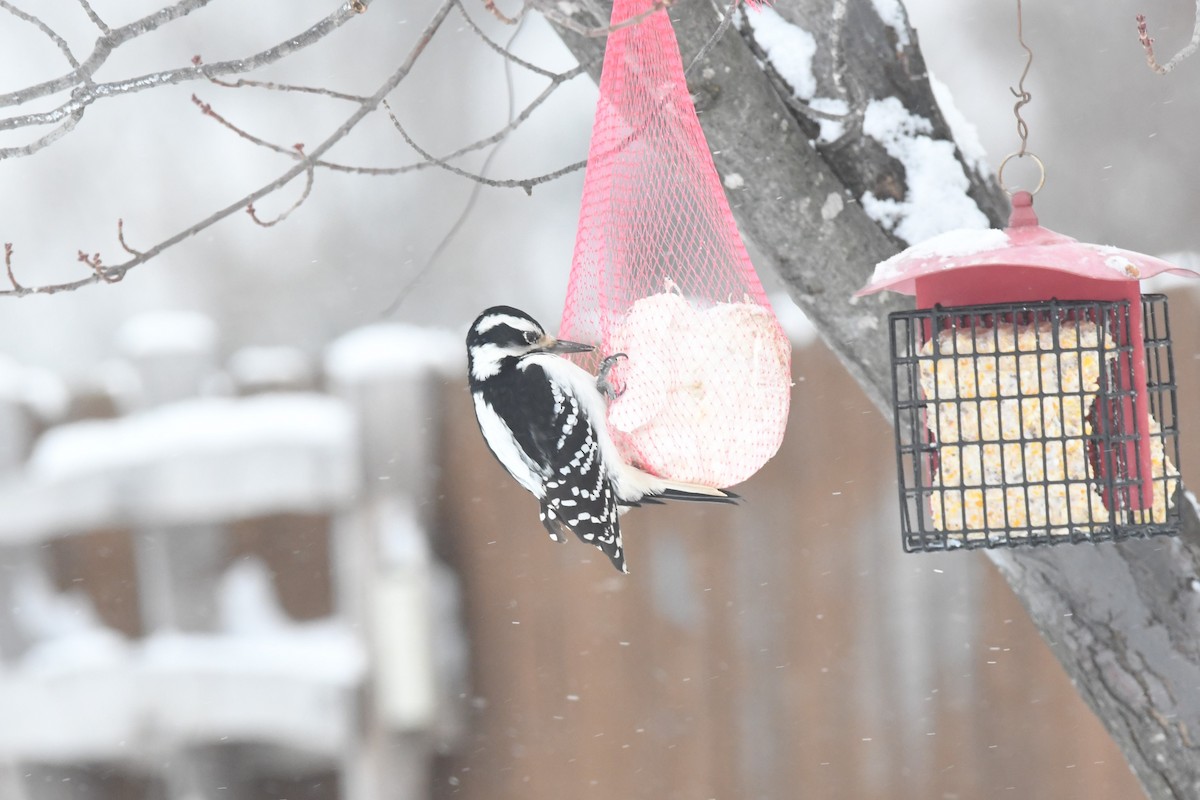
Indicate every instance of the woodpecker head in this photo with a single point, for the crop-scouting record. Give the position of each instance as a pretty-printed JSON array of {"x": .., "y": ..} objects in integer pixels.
[{"x": 503, "y": 332}]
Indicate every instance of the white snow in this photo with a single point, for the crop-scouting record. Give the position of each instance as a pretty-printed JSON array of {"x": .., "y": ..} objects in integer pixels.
[
  {"x": 402, "y": 539},
  {"x": 959, "y": 243},
  {"x": 947, "y": 246},
  {"x": 202, "y": 425},
  {"x": 964, "y": 131},
  {"x": 89, "y": 693},
  {"x": 258, "y": 639},
  {"x": 37, "y": 388},
  {"x": 42, "y": 612},
  {"x": 734, "y": 181},
  {"x": 246, "y": 600},
  {"x": 167, "y": 332},
  {"x": 832, "y": 206},
  {"x": 99, "y": 697},
  {"x": 393, "y": 349},
  {"x": 789, "y": 49},
  {"x": 831, "y": 130},
  {"x": 257, "y": 365},
  {"x": 1190, "y": 496},
  {"x": 796, "y": 324},
  {"x": 96, "y": 648},
  {"x": 937, "y": 199},
  {"x": 195, "y": 461},
  {"x": 316, "y": 651},
  {"x": 1120, "y": 265},
  {"x": 118, "y": 379},
  {"x": 892, "y": 14}
]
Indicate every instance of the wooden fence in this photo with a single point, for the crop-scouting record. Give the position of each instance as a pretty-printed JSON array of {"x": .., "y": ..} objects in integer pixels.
[
  {"x": 229, "y": 592},
  {"x": 277, "y": 599}
]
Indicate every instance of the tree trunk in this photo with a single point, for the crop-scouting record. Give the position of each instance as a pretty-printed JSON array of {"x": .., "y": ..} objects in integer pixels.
[{"x": 1122, "y": 618}]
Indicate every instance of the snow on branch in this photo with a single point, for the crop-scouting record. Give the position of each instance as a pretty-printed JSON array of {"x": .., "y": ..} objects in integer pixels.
[
  {"x": 1148, "y": 44},
  {"x": 937, "y": 198}
]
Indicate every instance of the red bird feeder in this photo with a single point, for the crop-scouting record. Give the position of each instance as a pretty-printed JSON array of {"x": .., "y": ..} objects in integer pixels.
[{"x": 1034, "y": 390}]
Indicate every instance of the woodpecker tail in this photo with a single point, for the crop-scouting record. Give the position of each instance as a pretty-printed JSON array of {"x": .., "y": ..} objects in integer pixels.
[
  {"x": 639, "y": 486},
  {"x": 720, "y": 496}
]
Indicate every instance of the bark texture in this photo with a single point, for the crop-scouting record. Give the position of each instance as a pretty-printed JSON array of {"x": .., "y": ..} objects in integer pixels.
[{"x": 1122, "y": 618}]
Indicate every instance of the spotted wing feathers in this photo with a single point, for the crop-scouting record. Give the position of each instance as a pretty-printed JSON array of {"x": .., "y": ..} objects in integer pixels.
[{"x": 579, "y": 496}]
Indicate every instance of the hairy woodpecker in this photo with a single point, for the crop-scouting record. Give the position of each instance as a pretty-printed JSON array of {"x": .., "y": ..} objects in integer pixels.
[{"x": 543, "y": 417}]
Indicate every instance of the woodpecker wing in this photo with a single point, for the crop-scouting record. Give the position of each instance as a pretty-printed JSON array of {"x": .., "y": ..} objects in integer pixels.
[
  {"x": 579, "y": 495},
  {"x": 557, "y": 456}
]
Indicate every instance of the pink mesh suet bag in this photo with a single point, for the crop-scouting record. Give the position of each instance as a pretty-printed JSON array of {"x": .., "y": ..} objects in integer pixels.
[{"x": 660, "y": 274}]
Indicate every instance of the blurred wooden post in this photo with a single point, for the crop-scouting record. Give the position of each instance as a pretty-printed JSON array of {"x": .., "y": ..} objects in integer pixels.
[
  {"x": 386, "y": 573},
  {"x": 174, "y": 356},
  {"x": 16, "y": 559},
  {"x": 16, "y": 433},
  {"x": 178, "y": 567}
]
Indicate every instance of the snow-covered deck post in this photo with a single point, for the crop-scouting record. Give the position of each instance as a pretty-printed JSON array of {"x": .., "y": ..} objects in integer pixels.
[
  {"x": 16, "y": 558},
  {"x": 387, "y": 575},
  {"x": 174, "y": 355},
  {"x": 178, "y": 567}
]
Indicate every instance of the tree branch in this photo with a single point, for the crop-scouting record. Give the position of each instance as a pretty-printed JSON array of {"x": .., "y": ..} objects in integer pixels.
[
  {"x": 557, "y": 79},
  {"x": 67, "y": 115},
  {"x": 308, "y": 184},
  {"x": 511, "y": 183},
  {"x": 105, "y": 46},
  {"x": 94, "y": 17},
  {"x": 50, "y": 138},
  {"x": 369, "y": 104},
  {"x": 503, "y": 51},
  {"x": 59, "y": 42},
  {"x": 87, "y": 92},
  {"x": 1148, "y": 44}
]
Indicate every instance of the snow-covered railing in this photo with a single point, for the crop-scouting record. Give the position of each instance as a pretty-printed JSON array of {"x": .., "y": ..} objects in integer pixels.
[
  {"x": 219, "y": 660},
  {"x": 194, "y": 461}
]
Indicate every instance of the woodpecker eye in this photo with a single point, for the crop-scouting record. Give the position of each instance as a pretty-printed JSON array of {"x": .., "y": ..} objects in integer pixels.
[{"x": 530, "y": 337}]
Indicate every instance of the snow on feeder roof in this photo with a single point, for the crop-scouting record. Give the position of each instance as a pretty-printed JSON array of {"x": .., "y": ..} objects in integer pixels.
[
  {"x": 1034, "y": 392},
  {"x": 1024, "y": 243}
]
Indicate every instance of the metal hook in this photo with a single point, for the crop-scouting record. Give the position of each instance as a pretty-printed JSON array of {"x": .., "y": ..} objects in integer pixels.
[
  {"x": 1021, "y": 93},
  {"x": 1022, "y": 154}
]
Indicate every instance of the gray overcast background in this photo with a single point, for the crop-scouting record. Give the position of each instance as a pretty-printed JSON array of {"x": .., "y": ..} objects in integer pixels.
[{"x": 1119, "y": 143}]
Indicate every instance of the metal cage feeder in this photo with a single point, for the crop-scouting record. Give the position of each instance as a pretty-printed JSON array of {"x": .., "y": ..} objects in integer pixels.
[{"x": 1033, "y": 390}]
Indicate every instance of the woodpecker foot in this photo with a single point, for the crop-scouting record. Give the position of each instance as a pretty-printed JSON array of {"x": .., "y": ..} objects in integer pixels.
[{"x": 607, "y": 389}]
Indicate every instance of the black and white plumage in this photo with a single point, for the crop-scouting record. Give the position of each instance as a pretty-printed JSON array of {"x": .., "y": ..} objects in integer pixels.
[{"x": 543, "y": 417}]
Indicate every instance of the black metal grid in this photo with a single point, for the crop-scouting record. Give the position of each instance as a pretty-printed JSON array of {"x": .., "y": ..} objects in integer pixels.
[{"x": 1015, "y": 424}]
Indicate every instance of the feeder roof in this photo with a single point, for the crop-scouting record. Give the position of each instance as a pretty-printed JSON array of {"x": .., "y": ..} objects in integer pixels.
[{"x": 1023, "y": 243}]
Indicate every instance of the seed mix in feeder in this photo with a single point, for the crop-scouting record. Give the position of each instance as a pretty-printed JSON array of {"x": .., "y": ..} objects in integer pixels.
[{"x": 1021, "y": 423}]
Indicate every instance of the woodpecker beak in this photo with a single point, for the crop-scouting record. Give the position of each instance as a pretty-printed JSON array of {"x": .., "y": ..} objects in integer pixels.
[{"x": 552, "y": 345}]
